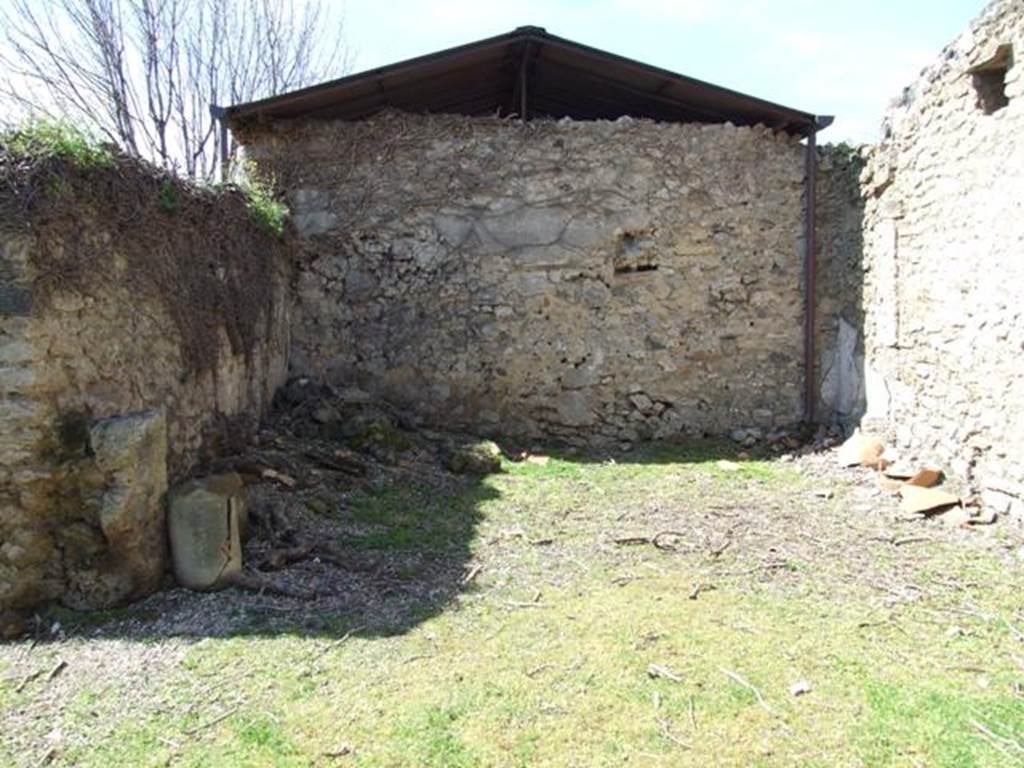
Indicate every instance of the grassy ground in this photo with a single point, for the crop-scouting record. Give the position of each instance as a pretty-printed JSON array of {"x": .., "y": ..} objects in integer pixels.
[{"x": 574, "y": 640}]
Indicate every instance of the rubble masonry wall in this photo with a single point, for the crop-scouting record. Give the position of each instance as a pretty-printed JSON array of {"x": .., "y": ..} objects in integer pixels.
[
  {"x": 943, "y": 339},
  {"x": 99, "y": 405},
  {"x": 580, "y": 281}
]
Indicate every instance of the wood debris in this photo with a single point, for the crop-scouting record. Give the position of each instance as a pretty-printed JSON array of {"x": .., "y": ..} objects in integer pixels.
[
  {"x": 472, "y": 573},
  {"x": 698, "y": 588},
  {"x": 342, "y": 751},
  {"x": 666, "y": 731},
  {"x": 282, "y": 558},
  {"x": 658, "y": 670},
  {"x": 661, "y": 540},
  {"x": 984, "y": 518},
  {"x": 749, "y": 686},
  {"x": 210, "y": 723},
  {"x": 272, "y": 474}
]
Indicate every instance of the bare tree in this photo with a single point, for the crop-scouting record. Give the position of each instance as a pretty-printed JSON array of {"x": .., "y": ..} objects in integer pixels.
[{"x": 144, "y": 73}]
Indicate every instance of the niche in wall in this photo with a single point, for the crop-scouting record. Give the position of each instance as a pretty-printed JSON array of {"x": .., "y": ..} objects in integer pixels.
[
  {"x": 634, "y": 252},
  {"x": 989, "y": 80}
]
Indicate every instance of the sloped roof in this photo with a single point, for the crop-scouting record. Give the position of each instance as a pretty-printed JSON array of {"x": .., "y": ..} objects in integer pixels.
[{"x": 527, "y": 72}]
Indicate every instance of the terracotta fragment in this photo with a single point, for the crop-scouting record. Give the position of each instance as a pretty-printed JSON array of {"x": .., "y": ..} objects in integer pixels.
[
  {"x": 861, "y": 450},
  {"x": 916, "y": 499}
]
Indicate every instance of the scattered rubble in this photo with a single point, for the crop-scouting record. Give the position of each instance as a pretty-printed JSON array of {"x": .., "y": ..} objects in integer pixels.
[
  {"x": 319, "y": 445},
  {"x": 914, "y": 485}
]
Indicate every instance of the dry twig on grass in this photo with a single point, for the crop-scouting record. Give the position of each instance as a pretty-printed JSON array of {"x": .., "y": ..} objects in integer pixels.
[
  {"x": 472, "y": 573},
  {"x": 1014, "y": 631},
  {"x": 47, "y": 757},
  {"x": 26, "y": 680},
  {"x": 54, "y": 671},
  {"x": 255, "y": 584},
  {"x": 658, "y": 540},
  {"x": 282, "y": 558},
  {"x": 666, "y": 726},
  {"x": 999, "y": 742},
  {"x": 658, "y": 670},
  {"x": 340, "y": 641},
  {"x": 750, "y": 687},
  {"x": 210, "y": 723},
  {"x": 698, "y": 588}
]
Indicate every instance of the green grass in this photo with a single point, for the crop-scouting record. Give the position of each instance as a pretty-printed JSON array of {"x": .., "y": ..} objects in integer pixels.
[
  {"x": 487, "y": 685},
  {"x": 261, "y": 199},
  {"x": 399, "y": 518},
  {"x": 545, "y": 662},
  {"x": 40, "y": 139},
  {"x": 168, "y": 198}
]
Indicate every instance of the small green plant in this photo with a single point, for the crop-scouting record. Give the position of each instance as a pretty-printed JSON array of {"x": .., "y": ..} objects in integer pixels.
[
  {"x": 168, "y": 197},
  {"x": 845, "y": 153},
  {"x": 40, "y": 139},
  {"x": 263, "y": 206}
]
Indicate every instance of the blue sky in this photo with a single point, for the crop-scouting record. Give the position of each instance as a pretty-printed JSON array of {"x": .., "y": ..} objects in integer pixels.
[{"x": 840, "y": 57}]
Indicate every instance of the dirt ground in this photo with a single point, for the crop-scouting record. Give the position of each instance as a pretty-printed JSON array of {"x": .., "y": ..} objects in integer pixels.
[{"x": 672, "y": 604}]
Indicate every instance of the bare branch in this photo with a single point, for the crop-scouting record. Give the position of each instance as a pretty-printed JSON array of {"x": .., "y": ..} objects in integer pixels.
[{"x": 144, "y": 73}]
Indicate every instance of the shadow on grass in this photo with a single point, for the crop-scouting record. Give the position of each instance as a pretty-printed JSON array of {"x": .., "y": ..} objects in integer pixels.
[{"x": 407, "y": 555}]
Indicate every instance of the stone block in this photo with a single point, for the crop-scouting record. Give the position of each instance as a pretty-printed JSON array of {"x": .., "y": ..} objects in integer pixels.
[
  {"x": 128, "y": 551},
  {"x": 15, "y": 299},
  {"x": 205, "y": 520}
]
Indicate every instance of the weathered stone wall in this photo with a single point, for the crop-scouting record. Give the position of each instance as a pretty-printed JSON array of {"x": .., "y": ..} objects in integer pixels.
[
  {"x": 100, "y": 400},
  {"x": 839, "y": 312},
  {"x": 572, "y": 280},
  {"x": 944, "y": 256}
]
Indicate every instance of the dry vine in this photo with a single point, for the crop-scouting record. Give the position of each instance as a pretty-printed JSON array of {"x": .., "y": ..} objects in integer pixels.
[{"x": 195, "y": 252}]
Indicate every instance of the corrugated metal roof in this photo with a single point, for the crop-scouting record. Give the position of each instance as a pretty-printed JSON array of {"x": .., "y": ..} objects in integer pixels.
[{"x": 530, "y": 73}]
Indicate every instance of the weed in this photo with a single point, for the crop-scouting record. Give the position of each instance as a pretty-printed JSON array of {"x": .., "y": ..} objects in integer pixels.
[
  {"x": 41, "y": 139},
  {"x": 263, "y": 205},
  {"x": 168, "y": 197},
  {"x": 264, "y": 733},
  {"x": 433, "y": 737}
]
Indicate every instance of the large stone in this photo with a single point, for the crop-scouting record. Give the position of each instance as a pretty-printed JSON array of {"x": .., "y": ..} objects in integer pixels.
[
  {"x": 120, "y": 555},
  {"x": 479, "y": 458},
  {"x": 205, "y": 521}
]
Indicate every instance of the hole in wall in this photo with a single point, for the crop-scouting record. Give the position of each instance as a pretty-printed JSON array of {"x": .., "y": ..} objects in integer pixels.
[
  {"x": 72, "y": 430},
  {"x": 989, "y": 80},
  {"x": 633, "y": 252},
  {"x": 622, "y": 269}
]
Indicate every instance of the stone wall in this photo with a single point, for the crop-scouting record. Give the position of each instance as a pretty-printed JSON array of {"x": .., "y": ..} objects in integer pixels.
[
  {"x": 944, "y": 256},
  {"x": 839, "y": 310},
  {"x": 106, "y": 391},
  {"x": 581, "y": 281}
]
